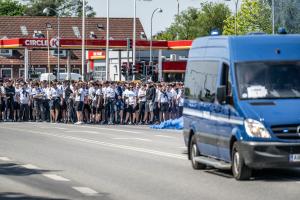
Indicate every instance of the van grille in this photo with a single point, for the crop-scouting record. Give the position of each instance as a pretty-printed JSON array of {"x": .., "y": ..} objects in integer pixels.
[{"x": 287, "y": 132}]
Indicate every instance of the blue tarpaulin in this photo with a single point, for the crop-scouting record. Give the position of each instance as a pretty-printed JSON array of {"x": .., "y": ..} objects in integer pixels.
[{"x": 170, "y": 124}]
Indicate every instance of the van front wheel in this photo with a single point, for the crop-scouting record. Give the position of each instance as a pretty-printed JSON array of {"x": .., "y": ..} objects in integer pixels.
[
  {"x": 194, "y": 152},
  {"x": 239, "y": 169}
]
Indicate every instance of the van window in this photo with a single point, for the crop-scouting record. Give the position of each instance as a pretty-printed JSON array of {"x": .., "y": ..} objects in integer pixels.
[
  {"x": 268, "y": 80},
  {"x": 201, "y": 80}
]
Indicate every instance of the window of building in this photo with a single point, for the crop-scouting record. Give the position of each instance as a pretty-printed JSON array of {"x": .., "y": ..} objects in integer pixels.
[
  {"x": 6, "y": 73},
  {"x": 5, "y": 52},
  {"x": 76, "y": 70},
  {"x": 62, "y": 70},
  {"x": 21, "y": 73},
  {"x": 201, "y": 80},
  {"x": 40, "y": 70}
]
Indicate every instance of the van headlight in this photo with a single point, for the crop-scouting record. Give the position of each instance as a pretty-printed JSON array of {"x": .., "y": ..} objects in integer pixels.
[{"x": 256, "y": 129}]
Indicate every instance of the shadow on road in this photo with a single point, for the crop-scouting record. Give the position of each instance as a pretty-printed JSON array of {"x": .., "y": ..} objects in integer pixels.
[
  {"x": 267, "y": 175},
  {"x": 20, "y": 196},
  {"x": 12, "y": 169}
]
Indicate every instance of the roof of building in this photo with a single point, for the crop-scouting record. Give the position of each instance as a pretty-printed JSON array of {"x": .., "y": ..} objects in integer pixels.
[{"x": 70, "y": 27}]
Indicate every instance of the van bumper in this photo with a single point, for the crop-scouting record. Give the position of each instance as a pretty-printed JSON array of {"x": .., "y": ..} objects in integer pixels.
[{"x": 259, "y": 155}]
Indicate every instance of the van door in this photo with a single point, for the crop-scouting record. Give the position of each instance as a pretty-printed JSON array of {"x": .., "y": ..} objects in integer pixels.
[
  {"x": 225, "y": 114},
  {"x": 200, "y": 83}
]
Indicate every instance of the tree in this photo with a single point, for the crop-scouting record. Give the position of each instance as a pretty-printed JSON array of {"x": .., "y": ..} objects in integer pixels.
[
  {"x": 66, "y": 8},
  {"x": 254, "y": 16},
  {"x": 287, "y": 14},
  {"x": 193, "y": 23},
  {"x": 11, "y": 8}
]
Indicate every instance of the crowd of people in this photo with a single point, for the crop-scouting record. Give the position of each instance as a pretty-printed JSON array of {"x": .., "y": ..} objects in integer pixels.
[{"x": 97, "y": 102}]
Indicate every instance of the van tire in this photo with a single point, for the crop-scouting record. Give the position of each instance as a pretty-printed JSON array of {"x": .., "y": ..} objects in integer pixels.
[
  {"x": 194, "y": 152},
  {"x": 239, "y": 169}
]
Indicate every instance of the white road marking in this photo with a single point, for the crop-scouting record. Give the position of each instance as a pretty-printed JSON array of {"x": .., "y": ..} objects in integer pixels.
[
  {"x": 140, "y": 139},
  {"x": 149, "y": 151},
  {"x": 30, "y": 166},
  {"x": 61, "y": 128},
  {"x": 74, "y": 131},
  {"x": 86, "y": 191},
  {"x": 165, "y": 136},
  {"x": 56, "y": 177},
  {"x": 5, "y": 159}
]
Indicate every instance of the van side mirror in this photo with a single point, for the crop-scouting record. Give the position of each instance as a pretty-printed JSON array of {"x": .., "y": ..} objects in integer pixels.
[{"x": 221, "y": 94}]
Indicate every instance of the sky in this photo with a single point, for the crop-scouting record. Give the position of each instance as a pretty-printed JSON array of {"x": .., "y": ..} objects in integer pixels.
[{"x": 124, "y": 8}]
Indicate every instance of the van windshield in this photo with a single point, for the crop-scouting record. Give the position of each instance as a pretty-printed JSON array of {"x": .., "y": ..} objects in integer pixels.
[{"x": 268, "y": 80}]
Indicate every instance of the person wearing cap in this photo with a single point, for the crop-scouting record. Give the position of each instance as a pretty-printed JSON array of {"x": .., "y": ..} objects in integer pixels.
[
  {"x": 150, "y": 96},
  {"x": 142, "y": 103},
  {"x": 129, "y": 97},
  {"x": 100, "y": 104},
  {"x": 2, "y": 105},
  {"x": 55, "y": 98},
  {"x": 110, "y": 96},
  {"x": 17, "y": 102},
  {"x": 46, "y": 101},
  {"x": 92, "y": 99},
  {"x": 37, "y": 95},
  {"x": 10, "y": 93},
  {"x": 24, "y": 102},
  {"x": 69, "y": 100},
  {"x": 79, "y": 98}
]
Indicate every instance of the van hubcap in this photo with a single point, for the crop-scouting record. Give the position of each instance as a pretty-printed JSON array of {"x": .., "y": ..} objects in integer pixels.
[{"x": 236, "y": 163}]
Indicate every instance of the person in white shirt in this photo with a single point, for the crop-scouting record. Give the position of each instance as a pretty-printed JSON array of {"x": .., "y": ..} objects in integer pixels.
[
  {"x": 163, "y": 103},
  {"x": 129, "y": 97},
  {"x": 180, "y": 100},
  {"x": 172, "y": 94},
  {"x": 37, "y": 95},
  {"x": 79, "y": 98},
  {"x": 99, "y": 106},
  {"x": 92, "y": 99},
  {"x": 55, "y": 98},
  {"x": 16, "y": 102},
  {"x": 110, "y": 96},
  {"x": 142, "y": 103},
  {"x": 24, "y": 103}
]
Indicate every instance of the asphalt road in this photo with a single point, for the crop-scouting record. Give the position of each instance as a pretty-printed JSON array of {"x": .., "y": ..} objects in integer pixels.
[{"x": 58, "y": 161}]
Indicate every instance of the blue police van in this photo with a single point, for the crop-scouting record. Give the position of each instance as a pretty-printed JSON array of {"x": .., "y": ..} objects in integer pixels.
[{"x": 242, "y": 103}]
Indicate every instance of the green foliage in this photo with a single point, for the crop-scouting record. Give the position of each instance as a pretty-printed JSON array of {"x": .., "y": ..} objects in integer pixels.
[
  {"x": 11, "y": 8},
  {"x": 193, "y": 23},
  {"x": 65, "y": 7},
  {"x": 254, "y": 16},
  {"x": 287, "y": 14}
]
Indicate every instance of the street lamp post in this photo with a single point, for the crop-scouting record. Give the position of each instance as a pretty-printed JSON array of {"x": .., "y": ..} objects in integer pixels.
[
  {"x": 159, "y": 10},
  {"x": 107, "y": 69},
  {"x": 47, "y": 11},
  {"x": 178, "y": 10},
  {"x": 48, "y": 28},
  {"x": 134, "y": 38},
  {"x": 134, "y": 35},
  {"x": 273, "y": 17},
  {"x": 83, "y": 42}
]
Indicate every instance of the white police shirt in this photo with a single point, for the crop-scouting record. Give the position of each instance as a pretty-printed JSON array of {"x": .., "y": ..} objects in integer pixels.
[
  {"x": 79, "y": 95},
  {"x": 55, "y": 93},
  {"x": 24, "y": 96},
  {"x": 110, "y": 93}
]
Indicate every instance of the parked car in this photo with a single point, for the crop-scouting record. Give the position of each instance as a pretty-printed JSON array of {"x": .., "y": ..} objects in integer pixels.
[
  {"x": 62, "y": 76},
  {"x": 242, "y": 105}
]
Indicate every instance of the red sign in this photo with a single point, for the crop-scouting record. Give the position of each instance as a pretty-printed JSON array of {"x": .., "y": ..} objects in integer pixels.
[{"x": 96, "y": 55}]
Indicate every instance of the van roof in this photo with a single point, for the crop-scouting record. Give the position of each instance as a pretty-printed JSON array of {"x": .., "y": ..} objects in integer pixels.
[{"x": 247, "y": 48}]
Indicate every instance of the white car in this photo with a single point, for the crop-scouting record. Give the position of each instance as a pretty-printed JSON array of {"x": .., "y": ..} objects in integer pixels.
[{"x": 62, "y": 77}]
